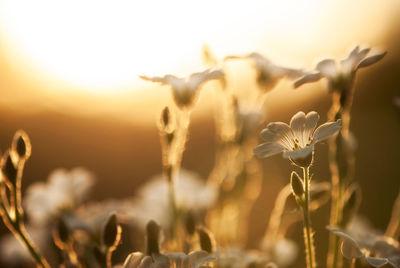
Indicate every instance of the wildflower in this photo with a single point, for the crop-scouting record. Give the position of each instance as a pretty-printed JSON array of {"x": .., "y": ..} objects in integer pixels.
[
  {"x": 194, "y": 259},
  {"x": 191, "y": 193},
  {"x": 268, "y": 73},
  {"x": 341, "y": 77},
  {"x": 184, "y": 90},
  {"x": 296, "y": 140},
  {"x": 64, "y": 190},
  {"x": 361, "y": 242}
]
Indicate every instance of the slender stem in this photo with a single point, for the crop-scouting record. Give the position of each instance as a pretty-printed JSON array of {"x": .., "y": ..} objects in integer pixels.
[
  {"x": 32, "y": 249},
  {"x": 308, "y": 239},
  {"x": 173, "y": 207},
  {"x": 18, "y": 229}
]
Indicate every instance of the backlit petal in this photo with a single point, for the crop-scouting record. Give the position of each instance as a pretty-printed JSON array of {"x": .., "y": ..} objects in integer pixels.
[
  {"x": 268, "y": 149},
  {"x": 350, "y": 249},
  {"x": 327, "y": 68},
  {"x": 327, "y": 130},
  {"x": 371, "y": 60},
  {"x": 377, "y": 262},
  {"x": 308, "y": 78}
]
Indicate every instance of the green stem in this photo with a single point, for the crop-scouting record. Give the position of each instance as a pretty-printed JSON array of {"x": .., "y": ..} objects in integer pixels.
[
  {"x": 32, "y": 249},
  {"x": 308, "y": 240}
]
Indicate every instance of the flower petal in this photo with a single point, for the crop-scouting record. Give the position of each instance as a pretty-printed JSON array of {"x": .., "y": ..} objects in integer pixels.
[
  {"x": 308, "y": 78},
  {"x": 349, "y": 64},
  {"x": 377, "y": 262},
  {"x": 279, "y": 132},
  {"x": 196, "y": 79},
  {"x": 311, "y": 120},
  {"x": 298, "y": 121},
  {"x": 297, "y": 124},
  {"x": 175, "y": 82},
  {"x": 327, "y": 68},
  {"x": 299, "y": 153},
  {"x": 326, "y": 130},
  {"x": 350, "y": 249},
  {"x": 371, "y": 60},
  {"x": 268, "y": 149}
]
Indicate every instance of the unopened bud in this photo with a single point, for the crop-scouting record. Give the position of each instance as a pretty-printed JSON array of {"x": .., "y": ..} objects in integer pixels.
[
  {"x": 62, "y": 230},
  {"x": 206, "y": 239},
  {"x": 22, "y": 145},
  {"x": 165, "y": 117},
  {"x": 296, "y": 184},
  {"x": 111, "y": 232},
  {"x": 190, "y": 223},
  {"x": 152, "y": 238},
  {"x": 9, "y": 169},
  {"x": 61, "y": 234}
]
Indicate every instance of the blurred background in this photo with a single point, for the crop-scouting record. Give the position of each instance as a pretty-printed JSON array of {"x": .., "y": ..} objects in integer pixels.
[{"x": 69, "y": 77}]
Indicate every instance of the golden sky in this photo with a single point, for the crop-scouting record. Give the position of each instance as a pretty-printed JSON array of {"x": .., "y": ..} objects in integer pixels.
[{"x": 86, "y": 56}]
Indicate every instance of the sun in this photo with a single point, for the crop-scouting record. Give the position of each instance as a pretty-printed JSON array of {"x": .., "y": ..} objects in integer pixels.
[{"x": 102, "y": 46}]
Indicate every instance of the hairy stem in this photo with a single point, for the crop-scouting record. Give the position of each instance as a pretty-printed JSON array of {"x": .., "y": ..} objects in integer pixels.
[{"x": 308, "y": 236}]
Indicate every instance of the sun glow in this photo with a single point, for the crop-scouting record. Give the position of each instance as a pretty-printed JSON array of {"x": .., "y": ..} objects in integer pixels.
[{"x": 102, "y": 46}]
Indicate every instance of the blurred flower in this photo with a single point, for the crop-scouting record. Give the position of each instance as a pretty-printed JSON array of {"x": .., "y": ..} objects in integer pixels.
[
  {"x": 341, "y": 77},
  {"x": 268, "y": 73},
  {"x": 248, "y": 119},
  {"x": 184, "y": 90},
  {"x": 194, "y": 259},
  {"x": 152, "y": 203},
  {"x": 65, "y": 190},
  {"x": 298, "y": 139},
  {"x": 361, "y": 241}
]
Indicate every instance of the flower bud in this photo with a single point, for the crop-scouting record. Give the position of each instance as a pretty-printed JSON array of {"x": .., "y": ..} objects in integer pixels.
[
  {"x": 190, "y": 223},
  {"x": 9, "y": 169},
  {"x": 165, "y": 117},
  {"x": 297, "y": 185},
  {"x": 61, "y": 234},
  {"x": 111, "y": 232},
  {"x": 206, "y": 239},
  {"x": 152, "y": 238},
  {"x": 21, "y": 145}
]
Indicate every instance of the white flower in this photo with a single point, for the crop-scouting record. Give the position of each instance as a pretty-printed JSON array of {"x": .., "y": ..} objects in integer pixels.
[
  {"x": 64, "y": 190},
  {"x": 184, "y": 90},
  {"x": 268, "y": 73},
  {"x": 152, "y": 203},
  {"x": 341, "y": 76},
  {"x": 296, "y": 140},
  {"x": 194, "y": 259},
  {"x": 366, "y": 244}
]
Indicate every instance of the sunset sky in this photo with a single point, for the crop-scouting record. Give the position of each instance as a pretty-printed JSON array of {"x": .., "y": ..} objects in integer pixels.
[{"x": 86, "y": 56}]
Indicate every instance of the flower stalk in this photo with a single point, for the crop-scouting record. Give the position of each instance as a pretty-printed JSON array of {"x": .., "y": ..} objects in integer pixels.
[
  {"x": 308, "y": 235},
  {"x": 11, "y": 216}
]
